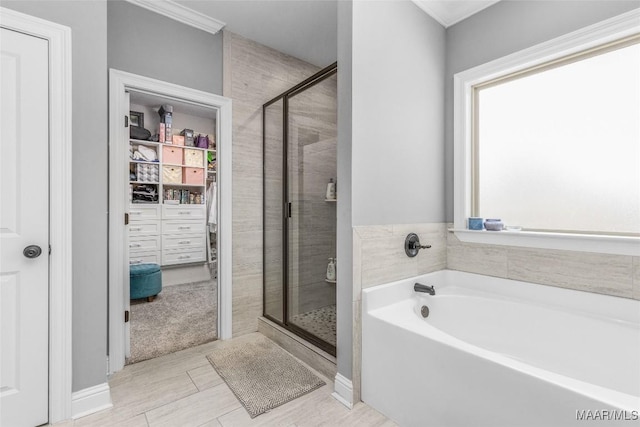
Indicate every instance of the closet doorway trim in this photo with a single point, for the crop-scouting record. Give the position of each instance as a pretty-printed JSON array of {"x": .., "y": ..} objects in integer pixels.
[{"x": 119, "y": 83}]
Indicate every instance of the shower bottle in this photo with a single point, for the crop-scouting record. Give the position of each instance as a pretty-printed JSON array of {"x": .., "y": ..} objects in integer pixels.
[
  {"x": 331, "y": 190},
  {"x": 331, "y": 270}
]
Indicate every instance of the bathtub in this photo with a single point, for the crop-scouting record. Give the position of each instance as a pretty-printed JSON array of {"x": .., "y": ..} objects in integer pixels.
[{"x": 496, "y": 352}]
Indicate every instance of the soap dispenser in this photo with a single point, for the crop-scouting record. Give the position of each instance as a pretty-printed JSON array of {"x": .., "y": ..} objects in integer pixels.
[
  {"x": 331, "y": 270},
  {"x": 331, "y": 190}
]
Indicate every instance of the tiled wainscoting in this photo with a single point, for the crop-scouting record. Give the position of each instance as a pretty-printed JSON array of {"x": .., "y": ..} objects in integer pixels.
[
  {"x": 379, "y": 257},
  {"x": 617, "y": 275}
]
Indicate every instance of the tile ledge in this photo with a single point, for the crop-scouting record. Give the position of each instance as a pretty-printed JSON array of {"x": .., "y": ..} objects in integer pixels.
[{"x": 615, "y": 245}]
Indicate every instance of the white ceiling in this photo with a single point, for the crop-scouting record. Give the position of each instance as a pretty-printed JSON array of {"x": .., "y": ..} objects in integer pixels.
[
  {"x": 449, "y": 12},
  {"x": 305, "y": 29}
]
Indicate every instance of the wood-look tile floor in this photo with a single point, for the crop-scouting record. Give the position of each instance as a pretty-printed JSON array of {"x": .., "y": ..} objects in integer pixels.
[{"x": 182, "y": 389}]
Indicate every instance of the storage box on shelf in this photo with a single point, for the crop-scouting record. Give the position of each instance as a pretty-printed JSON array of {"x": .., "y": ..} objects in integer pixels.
[
  {"x": 193, "y": 157},
  {"x": 172, "y": 155},
  {"x": 193, "y": 176},
  {"x": 171, "y": 174}
]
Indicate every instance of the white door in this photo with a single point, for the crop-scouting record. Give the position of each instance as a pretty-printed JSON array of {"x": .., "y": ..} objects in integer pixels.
[{"x": 24, "y": 227}]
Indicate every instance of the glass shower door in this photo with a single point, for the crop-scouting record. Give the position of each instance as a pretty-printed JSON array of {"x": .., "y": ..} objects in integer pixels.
[
  {"x": 273, "y": 123},
  {"x": 311, "y": 235}
]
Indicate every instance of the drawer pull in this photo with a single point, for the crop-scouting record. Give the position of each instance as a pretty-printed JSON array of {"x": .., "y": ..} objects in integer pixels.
[
  {"x": 184, "y": 213},
  {"x": 184, "y": 228},
  {"x": 135, "y": 213},
  {"x": 184, "y": 256},
  {"x": 136, "y": 261},
  {"x": 136, "y": 228},
  {"x": 184, "y": 242},
  {"x": 134, "y": 245}
]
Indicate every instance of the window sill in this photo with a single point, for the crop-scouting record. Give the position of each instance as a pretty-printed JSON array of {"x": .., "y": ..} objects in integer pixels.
[{"x": 619, "y": 245}]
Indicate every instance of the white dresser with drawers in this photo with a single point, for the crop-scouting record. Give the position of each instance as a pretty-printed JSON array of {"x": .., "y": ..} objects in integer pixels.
[{"x": 167, "y": 234}]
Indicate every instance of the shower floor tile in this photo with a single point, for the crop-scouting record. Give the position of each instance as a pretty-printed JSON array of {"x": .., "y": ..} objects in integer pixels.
[{"x": 321, "y": 322}]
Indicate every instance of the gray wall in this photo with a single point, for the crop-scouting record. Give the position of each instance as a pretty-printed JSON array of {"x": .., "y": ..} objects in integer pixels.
[
  {"x": 146, "y": 43},
  {"x": 390, "y": 136},
  {"x": 88, "y": 21},
  {"x": 507, "y": 27},
  {"x": 398, "y": 152},
  {"x": 344, "y": 246}
]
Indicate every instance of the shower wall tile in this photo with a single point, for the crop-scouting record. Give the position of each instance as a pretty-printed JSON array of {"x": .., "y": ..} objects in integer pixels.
[
  {"x": 253, "y": 74},
  {"x": 316, "y": 296},
  {"x": 636, "y": 277}
]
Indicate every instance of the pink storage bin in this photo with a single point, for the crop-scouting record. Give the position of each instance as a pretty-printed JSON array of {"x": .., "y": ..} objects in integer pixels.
[
  {"x": 172, "y": 155},
  {"x": 193, "y": 176}
]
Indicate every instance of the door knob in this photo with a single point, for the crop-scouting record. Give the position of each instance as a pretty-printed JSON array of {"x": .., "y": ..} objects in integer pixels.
[{"x": 32, "y": 251}]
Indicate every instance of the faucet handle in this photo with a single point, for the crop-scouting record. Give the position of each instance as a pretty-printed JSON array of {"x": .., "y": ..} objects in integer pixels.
[{"x": 412, "y": 245}]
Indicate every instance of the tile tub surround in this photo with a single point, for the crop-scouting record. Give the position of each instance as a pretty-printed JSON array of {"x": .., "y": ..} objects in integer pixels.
[
  {"x": 379, "y": 257},
  {"x": 252, "y": 75},
  {"x": 617, "y": 275}
]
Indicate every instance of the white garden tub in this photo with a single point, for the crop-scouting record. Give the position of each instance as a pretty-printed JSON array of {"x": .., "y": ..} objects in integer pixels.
[{"x": 497, "y": 352}]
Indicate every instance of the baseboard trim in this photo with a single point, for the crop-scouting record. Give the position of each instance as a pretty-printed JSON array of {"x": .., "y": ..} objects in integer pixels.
[
  {"x": 343, "y": 391},
  {"x": 90, "y": 400}
]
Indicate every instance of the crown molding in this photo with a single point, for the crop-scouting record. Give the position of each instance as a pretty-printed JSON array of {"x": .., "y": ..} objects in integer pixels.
[
  {"x": 180, "y": 13},
  {"x": 451, "y": 12}
]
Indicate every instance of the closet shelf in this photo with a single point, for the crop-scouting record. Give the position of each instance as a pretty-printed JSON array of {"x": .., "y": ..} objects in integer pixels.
[
  {"x": 144, "y": 162},
  {"x": 331, "y": 200},
  {"x": 182, "y": 166},
  {"x": 182, "y": 185},
  {"x": 144, "y": 182},
  {"x": 143, "y": 142},
  {"x": 329, "y": 281}
]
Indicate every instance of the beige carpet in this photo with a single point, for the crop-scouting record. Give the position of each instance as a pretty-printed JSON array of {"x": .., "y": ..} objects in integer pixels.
[
  {"x": 261, "y": 374},
  {"x": 180, "y": 317}
]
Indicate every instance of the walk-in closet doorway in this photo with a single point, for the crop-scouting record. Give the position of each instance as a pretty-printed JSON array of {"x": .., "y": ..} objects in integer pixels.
[{"x": 169, "y": 218}]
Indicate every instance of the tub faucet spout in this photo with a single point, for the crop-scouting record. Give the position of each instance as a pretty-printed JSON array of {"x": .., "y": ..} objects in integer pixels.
[{"x": 428, "y": 289}]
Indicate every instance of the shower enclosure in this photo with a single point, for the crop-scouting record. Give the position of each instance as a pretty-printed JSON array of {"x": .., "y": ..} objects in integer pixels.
[{"x": 300, "y": 154}]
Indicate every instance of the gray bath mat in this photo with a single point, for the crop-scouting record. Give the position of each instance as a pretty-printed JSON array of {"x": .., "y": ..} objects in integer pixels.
[{"x": 261, "y": 374}]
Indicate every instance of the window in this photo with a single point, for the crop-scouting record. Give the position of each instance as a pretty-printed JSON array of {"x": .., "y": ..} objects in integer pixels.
[
  {"x": 549, "y": 138},
  {"x": 559, "y": 148}
]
